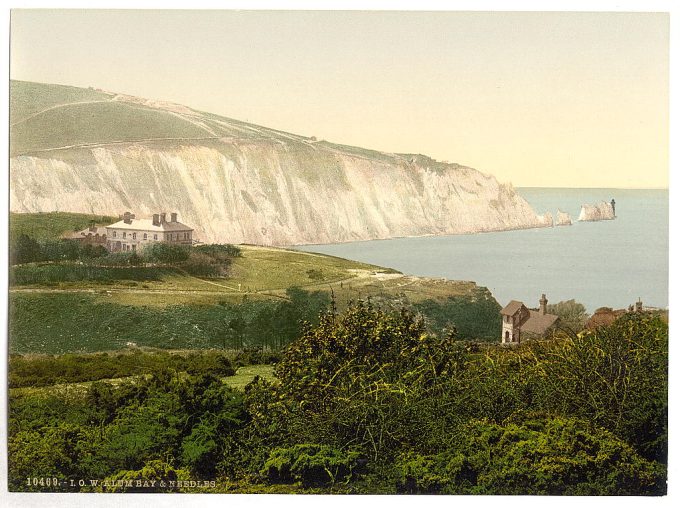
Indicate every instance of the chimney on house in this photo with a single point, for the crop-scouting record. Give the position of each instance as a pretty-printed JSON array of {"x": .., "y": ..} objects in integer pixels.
[
  {"x": 543, "y": 305},
  {"x": 156, "y": 221},
  {"x": 127, "y": 218},
  {"x": 93, "y": 226},
  {"x": 163, "y": 220},
  {"x": 173, "y": 217}
]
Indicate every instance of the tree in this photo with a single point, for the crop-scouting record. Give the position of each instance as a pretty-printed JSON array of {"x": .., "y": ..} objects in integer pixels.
[
  {"x": 25, "y": 250},
  {"x": 572, "y": 314}
]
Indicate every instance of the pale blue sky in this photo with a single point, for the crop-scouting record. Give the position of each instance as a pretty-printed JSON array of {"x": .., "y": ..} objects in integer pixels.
[{"x": 553, "y": 99}]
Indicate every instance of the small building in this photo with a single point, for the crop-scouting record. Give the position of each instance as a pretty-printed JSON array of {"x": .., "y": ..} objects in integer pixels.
[
  {"x": 520, "y": 322},
  {"x": 93, "y": 235},
  {"x": 131, "y": 234},
  {"x": 605, "y": 316}
]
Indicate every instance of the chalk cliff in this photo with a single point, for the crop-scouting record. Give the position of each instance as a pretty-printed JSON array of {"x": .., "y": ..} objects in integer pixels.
[{"x": 237, "y": 182}]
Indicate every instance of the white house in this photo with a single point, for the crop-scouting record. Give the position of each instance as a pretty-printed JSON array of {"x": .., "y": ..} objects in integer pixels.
[{"x": 131, "y": 234}]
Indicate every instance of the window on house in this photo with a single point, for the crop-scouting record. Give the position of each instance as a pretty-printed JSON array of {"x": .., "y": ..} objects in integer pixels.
[
  {"x": 134, "y": 236},
  {"x": 124, "y": 234},
  {"x": 114, "y": 234},
  {"x": 155, "y": 236},
  {"x": 144, "y": 236}
]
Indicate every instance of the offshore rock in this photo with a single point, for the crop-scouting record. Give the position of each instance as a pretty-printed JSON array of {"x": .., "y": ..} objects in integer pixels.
[{"x": 598, "y": 211}]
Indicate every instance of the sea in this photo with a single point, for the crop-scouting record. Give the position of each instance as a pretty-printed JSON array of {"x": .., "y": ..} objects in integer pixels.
[{"x": 610, "y": 263}]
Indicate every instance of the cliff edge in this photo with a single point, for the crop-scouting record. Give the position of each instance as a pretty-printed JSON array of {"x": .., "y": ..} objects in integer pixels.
[{"x": 97, "y": 152}]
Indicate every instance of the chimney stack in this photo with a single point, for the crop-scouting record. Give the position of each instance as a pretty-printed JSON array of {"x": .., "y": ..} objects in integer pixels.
[
  {"x": 543, "y": 304},
  {"x": 156, "y": 221},
  {"x": 163, "y": 220},
  {"x": 93, "y": 226},
  {"x": 127, "y": 218},
  {"x": 173, "y": 217}
]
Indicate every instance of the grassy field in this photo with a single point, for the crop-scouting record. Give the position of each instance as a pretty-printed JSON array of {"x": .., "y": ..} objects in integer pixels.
[
  {"x": 245, "y": 375},
  {"x": 70, "y": 391}
]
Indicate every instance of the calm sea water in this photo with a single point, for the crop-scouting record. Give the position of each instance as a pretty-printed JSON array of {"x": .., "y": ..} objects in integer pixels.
[{"x": 608, "y": 263}]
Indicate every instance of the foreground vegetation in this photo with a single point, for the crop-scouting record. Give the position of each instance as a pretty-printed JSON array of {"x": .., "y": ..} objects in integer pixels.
[{"x": 366, "y": 401}]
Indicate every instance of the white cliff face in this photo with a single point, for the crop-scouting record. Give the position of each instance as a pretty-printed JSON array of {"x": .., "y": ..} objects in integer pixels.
[
  {"x": 271, "y": 192},
  {"x": 598, "y": 211},
  {"x": 563, "y": 218}
]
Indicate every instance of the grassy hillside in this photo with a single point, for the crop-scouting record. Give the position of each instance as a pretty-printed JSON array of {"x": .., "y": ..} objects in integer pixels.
[
  {"x": 52, "y": 225},
  {"x": 28, "y": 98},
  {"x": 46, "y": 116},
  {"x": 106, "y": 122},
  {"x": 74, "y": 307}
]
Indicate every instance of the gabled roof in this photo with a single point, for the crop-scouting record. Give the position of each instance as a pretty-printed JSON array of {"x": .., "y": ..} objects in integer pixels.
[
  {"x": 512, "y": 308},
  {"x": 538, "y": 323},
  {"x": 148, "y": 225}
]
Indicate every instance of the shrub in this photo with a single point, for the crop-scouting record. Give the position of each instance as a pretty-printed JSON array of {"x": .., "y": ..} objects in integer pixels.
[
  {"x": 165, "y": 253},
  {"x": 311, "y": 464},
  {"x": 217, "y": 250},
  {"x": 154, "y": 470},
  {"x": 536, "y": 455}
]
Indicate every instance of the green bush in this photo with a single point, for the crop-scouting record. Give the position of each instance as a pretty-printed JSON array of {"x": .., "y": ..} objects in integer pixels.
[
  {"x": 478, "y": 319},
  {"x": 161, "y": 473},
  {"x": 22, "y": 275},
  {"x": 217, "y": 250},
  {"x": 311, "y": 464},
  {"x": 544, "y": 455},
  {"x": 160, "y": 252}
]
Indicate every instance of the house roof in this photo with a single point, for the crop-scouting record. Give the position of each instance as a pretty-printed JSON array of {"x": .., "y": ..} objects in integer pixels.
[
  {"x": 99, "y": 230},
  {"x": 512, "y": 308},
  {"x": 538, "y": 323},
  {"x": 148, "y": 225}
]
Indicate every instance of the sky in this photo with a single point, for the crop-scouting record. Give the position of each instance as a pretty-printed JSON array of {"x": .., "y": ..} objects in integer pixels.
[{"x": 537, "y": 99}]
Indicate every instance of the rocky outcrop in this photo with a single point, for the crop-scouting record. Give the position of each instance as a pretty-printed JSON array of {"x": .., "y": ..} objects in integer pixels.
[
  {"x": 598, "y": 211},
  {"x": 563, "y": 219}
]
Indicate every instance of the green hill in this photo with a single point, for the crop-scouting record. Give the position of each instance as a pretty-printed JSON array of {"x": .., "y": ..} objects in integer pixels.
[
  {"x": 52, "y": 225},
  {"x": 28, "y": 98},
  {"x": 47, "y": 116}
]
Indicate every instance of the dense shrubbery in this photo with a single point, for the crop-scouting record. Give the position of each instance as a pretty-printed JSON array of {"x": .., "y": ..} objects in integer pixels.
[
  {"x": 138, "y": 426},
  {"x": 479, "y": 321},
  {"x": 536, "y": 455},
  {"x": 62, "y": 272},
  {"x": 312, "y": 465},
  {"x": 369, "y": 402},
  {"x": 71, "y": 368},
  {"x": 87, "y": 323},
  {"x": 72, "y": 261}
]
